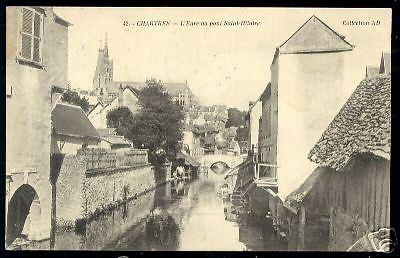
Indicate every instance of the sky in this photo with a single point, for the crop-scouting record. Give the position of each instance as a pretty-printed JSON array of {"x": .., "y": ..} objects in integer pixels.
[{"x": 222, "y": 64}]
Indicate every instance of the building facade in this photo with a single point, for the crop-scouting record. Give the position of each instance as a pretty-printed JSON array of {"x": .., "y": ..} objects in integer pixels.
[
  {"x": 127, "y": 97},
  {"x": 305, "y": 93},
  {"x": 36, "y": 59}
]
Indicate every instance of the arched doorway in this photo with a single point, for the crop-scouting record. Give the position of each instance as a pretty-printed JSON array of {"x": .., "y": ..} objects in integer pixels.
[
  {"x": 219, "y": 167},
  {"x": 23, "y": 213}
]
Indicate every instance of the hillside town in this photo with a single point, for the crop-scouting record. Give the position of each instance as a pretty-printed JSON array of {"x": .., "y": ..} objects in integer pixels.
[{"x": 123, "y": 165}]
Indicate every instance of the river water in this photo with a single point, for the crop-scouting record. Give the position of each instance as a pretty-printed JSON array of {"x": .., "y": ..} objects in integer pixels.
[{"x": 176, "y": 216}]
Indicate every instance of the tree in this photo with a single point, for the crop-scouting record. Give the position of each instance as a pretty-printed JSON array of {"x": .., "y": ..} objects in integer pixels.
[
  {"x": 73, "y": 98},
  {"x": 158, "y": 125},
  {"x": 121, "y": 118},
  {"x": 242, "y": 134},
  {"x": 235, "y": 118}
]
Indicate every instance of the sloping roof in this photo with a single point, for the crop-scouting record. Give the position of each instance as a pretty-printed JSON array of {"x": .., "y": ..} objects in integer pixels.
[
  {"x": 116, "y": 140},
  {"x": 173, "y": 88},
  {"x": 362, "y": 125},
  {"x": 386, "y": 63},
  {"x": 235, "y": 170},
  {"x": 61, "y": 21},
  {"x": 298, "y": 195},
  {"x": 70, "y": 120},
  {"x": 106, "y": 131},
  {"x": 371, "y": 71},
  {"x": 95, "y": 106},
  {"x": 315, "y": 36},
  {"x": 133, "y": 90}
]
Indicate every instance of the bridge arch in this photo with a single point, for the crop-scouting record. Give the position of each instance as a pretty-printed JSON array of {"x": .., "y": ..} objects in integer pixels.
[
  {"x": 231, "y": 160},
  {"x": 24, "y": 213},
  {"x": 219, "y": 167}
]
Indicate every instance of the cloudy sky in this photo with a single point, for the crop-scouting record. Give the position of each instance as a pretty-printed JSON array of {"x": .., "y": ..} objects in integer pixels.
[{"x": 222, "y": 64}]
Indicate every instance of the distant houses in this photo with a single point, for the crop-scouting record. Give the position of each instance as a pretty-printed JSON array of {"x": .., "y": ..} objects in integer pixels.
[{"x": 127, "y": 97}]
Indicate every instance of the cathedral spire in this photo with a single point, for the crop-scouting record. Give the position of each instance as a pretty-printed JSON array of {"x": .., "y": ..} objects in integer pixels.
[{"x": 106, "y": 46}]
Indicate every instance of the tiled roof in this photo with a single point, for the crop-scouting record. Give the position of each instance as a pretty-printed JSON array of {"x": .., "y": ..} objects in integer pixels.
[
  {"x": 70, "y": 120},
  {"x": 362, "y": 125},
  {"x": 315, "y": 36}
]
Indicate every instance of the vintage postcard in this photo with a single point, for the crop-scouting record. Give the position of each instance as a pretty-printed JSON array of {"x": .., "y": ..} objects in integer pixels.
[{"x": 202, "y": 129}]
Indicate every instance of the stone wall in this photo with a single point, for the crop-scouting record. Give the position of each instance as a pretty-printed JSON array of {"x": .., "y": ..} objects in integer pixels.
[
  {"x": 69, "y": 190},
  {"x": 81, "y": 195},
  {"x": 114, "y": 186}
]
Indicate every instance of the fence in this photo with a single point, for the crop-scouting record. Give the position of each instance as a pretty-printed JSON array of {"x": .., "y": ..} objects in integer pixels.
[
  {"x": 133, "y": 157},
  {"x": 98, "y": 158}
]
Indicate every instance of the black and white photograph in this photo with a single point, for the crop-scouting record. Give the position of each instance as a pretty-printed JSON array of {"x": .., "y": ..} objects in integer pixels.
[{"x": 198, "y": 129}]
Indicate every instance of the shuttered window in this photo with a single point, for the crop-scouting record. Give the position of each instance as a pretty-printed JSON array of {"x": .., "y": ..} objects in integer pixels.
[{"x": 31, "y": 35}]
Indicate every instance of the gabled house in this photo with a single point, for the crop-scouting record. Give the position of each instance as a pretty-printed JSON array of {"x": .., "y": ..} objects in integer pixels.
[
  {"x": 304, "y": 94},
  {"x": 127, "y": 97},
  {"x": 111, "y": 141}
]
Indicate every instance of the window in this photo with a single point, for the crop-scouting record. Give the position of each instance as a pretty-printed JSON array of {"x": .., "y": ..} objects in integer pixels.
[{"x": 30, "y": 35}]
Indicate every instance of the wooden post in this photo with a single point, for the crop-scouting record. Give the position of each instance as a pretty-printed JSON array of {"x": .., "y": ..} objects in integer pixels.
[
  {"x": 53, "y": 215},
  {"x": 301, "y": 228}
]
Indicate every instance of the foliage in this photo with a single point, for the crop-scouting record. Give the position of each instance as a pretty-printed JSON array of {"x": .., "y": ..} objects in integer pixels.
[
  {"x": 242, "y": 134},
  {"x": 158, "y": 125},
  {"x": 235, "y": 118},
  {"x": 73, "y": 98},
  {"x": 121, "y": 118}
]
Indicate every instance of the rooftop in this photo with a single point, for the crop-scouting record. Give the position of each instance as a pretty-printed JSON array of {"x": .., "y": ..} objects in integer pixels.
[
  {"x": 363, "y": 125},
  {"x": 315, "y": 36},
  {"x": 70, "y": 120}
]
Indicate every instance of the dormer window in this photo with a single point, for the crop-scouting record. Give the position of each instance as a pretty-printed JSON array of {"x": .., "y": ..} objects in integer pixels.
[{"x": 30, "y": 35}]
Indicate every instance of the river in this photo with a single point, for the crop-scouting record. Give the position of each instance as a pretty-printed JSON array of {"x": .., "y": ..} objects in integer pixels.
[{"x": 176, "y": 216}]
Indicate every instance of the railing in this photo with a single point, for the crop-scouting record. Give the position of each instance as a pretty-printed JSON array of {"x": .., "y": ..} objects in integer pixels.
[
  {"x": 133, "y": 157},
  {"x": 98, "y": 158}
]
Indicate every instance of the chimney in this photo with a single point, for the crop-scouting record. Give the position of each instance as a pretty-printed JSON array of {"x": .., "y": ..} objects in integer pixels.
[
  {"x": 251, "y": 103},
  {"x": 120, "y": 96}
]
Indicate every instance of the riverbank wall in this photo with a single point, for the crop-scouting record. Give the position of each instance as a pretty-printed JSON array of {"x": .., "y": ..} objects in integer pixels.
[{"x": 83, "y": 193}]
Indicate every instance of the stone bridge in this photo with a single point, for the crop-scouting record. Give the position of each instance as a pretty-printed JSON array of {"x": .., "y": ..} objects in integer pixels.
[{"x": 230, "y": 160}]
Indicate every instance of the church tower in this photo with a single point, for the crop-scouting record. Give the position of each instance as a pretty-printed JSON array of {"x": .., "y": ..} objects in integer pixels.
[{"x": 103, "y": 76}]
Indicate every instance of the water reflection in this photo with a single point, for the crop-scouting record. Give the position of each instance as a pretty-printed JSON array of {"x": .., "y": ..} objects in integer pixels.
[{"x": 180, "y": 215}]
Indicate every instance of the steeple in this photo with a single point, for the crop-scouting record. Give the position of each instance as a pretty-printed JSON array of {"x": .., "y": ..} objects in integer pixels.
[
  {"x": 103, "y": 76},
  {"x": 106, "y": 46}
]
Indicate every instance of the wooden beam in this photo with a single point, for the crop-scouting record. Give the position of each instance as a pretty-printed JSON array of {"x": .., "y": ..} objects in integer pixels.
[{"x": 301, "y": 228}]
